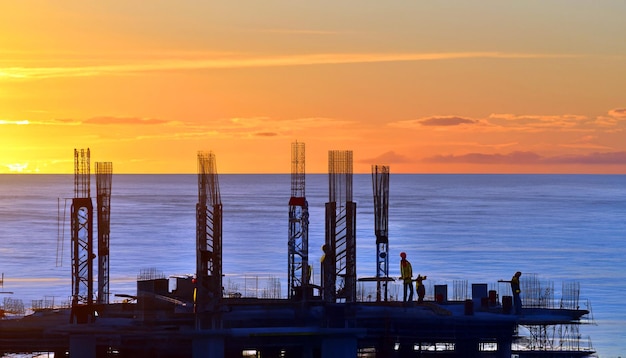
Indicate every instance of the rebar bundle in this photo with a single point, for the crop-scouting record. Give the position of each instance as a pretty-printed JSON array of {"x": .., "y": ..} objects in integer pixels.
[
  {"x": 380, "y": 186},
  {"x": 340, "y": 176},
  {"x": 208, "y": 236},
  {"x": 104, "y": 176},
  {"x": 299, "y": 271},
  {"x": 148, "y": 274},
  {"x": 459, "y": 290},
  {"x": 339, "y": 265},
  {"x": 571, "y": 295},
  {"x": 82, "y": 173},
  {"x": 536, "y": 293},
  {"x": 82, "y": 231}
]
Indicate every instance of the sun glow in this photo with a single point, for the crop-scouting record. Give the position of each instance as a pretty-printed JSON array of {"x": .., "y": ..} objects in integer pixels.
[
  {"x": 17, "y": 167},
  {"x": 422, "y": 88}
]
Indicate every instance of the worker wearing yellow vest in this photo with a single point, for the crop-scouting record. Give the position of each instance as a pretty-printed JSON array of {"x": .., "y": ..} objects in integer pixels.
[
  {"x": 421, "y": 290},
  {"x": 406, "y": 273}
]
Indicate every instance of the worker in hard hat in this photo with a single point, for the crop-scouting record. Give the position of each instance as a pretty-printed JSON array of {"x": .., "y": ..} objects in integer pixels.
[
  {"x": 326, "y": 273},
  {"x": 406, "y": 275},
  {"x": 517, "y": 301},
  {"x": 421, "y": 290}
]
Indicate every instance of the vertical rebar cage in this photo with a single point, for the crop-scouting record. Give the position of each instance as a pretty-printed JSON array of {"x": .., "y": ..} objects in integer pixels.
[
  {"x": 208, "y": 235},
  {"x": 82, "y": 231},
  {"x": 104, "y": 176},
  {"x": 299, "y": 270},
  {"x": 340, "y": 274},
  {"x": 380, "y": 186}
]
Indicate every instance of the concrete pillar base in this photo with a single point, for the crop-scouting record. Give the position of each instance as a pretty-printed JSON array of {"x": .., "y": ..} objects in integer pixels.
[
  {"x": 339, "y": 347},
  {"x": 82, "y": 346},
  {"x": 208, "y": 347}
]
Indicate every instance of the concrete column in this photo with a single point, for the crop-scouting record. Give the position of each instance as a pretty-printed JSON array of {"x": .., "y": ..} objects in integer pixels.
[
  {"x": 504, "y": 347},
  {"x": 468, "y": 347},
  {"x": 82, "y": 346},
  {"x": 208, "y": 347},
  {"x": 339, "y": 347}
]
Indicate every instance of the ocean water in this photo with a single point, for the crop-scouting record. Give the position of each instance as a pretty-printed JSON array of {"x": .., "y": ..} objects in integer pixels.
[{"x": 454, "y": 228}]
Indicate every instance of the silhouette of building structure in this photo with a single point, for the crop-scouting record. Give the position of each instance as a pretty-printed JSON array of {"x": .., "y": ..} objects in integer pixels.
[
  {"x": 104, "y": 178},
  {"x": 82, "y": 235},
  {"x": 198, "y": 319},
  {"x": 339, "y": 277},
  {"x": 299, "y": 270},
  {"x": 208, "y": 243}
]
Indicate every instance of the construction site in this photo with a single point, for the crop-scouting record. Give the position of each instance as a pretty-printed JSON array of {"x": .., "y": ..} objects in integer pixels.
[{"x": 200, "y": 316}]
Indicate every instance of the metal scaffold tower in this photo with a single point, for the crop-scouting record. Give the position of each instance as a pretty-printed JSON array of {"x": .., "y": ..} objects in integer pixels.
[
  {"x": 380, "y": 184},
  {"x": 208, "y": 237},
  {"x": 339, "y": 263},
  {"x": 104, "y": 176},
  {"x": 299, "y": 271},
  {"x": 547, "y": 336},
  {"x": 82, "y": 232}
]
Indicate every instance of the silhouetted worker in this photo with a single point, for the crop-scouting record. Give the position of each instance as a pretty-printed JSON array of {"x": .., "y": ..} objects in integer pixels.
[
  {"x": 327, "y": 272},
  {"x": 517, "y": 301},
  {"x": 406, "y": 275},
  {"x": 73, "y": 309},
  {"x": 323, "y": 261},
  {"x": 309, "y": 273},
  {"x": 421, "y": 290}
]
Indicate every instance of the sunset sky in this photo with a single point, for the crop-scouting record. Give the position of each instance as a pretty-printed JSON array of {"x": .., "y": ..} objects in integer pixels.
[{"x": 422, "y": 86}]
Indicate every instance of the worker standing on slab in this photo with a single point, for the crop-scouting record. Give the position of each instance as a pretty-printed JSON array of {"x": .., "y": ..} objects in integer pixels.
[
  {"x": 421, "y": 290},
  {"x": 515, "y": 289},
  {"x": 406, "y": 273}
]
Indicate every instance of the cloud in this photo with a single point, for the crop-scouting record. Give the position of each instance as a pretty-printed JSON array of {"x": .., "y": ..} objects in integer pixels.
[
  {"x": 434, "y": 121},
  {"x": 318, "y": 122},
  {"x": 17, "y": 167},
  {"x": 615, "y": 121},
  {"x": 18, "y": 122},
  {"x": 93, "y": 120},
  {"x": 387, "y": 158},
  {"x": 536, "y": 117},
  {"x": 618, "y": 112},
  {"x": 297, "y": 32},
  {"x": 481, "y": 158},
  {"x": 610, "y": 158},
  {"x": 536, "y": 123},
  {"x": 266, "y": 134},
  {"x": 123, "y": 120},
  {"x": 212, "y": 61},
  {"x": 445, "y": 121},
  {"x": 519, "y": 157}
]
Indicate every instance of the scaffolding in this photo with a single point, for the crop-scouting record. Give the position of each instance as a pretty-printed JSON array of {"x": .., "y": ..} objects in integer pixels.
[
  {"x": 539, "y": 294},
  {"x": 208, "y": 238},
  {"x": 339, "y": 264},
  {"x": 82, "y": 231},
  {"x": 380, "y": 186},
  {"x": 299, "y": 271},
  {"x": 104, "y": 176}
]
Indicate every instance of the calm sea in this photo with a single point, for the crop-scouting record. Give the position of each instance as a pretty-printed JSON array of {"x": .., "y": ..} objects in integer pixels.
[{"x": 454, "y": 228}]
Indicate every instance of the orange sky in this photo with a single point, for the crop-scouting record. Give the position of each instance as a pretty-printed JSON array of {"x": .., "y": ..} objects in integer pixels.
[{"x": 422, "y": 86}]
